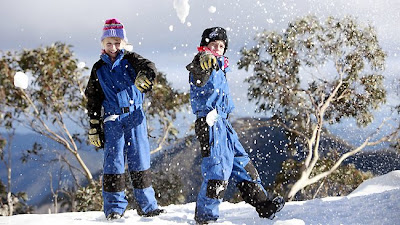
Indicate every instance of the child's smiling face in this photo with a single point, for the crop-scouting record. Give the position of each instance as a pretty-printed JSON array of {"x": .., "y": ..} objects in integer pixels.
[
  {"x": 217, "y": 46},
  {"x": 111, "y": 46}
]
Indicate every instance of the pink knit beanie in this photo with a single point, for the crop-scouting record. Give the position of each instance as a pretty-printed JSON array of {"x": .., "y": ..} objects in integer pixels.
[{"x": 114, "y": 28}]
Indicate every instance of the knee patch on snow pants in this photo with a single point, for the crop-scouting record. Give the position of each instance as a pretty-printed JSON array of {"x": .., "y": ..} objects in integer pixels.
[
  {"x": 114, "y": 182},
  {"x": 216, "y": 188},
  {"x": 141, "y": 179},
  {"x": 203, "y": 135}
]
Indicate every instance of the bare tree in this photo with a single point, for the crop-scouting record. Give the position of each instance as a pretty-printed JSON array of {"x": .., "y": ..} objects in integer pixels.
[
  {"x": 14, "y": 202},
  {"x": 9, "y": 166},
  {"x": 54, "y": 192}
]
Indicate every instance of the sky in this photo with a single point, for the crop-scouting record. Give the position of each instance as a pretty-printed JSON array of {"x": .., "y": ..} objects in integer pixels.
[
  {"x": 158, "y": 32},
  {"x": 168, "y": 31},
  {"x": 375, "y": 201}
]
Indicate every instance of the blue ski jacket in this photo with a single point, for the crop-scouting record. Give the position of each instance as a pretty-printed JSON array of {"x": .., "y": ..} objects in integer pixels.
[
  {"x": 112, "y": 85},
  {"x": 209, "y": 89}
]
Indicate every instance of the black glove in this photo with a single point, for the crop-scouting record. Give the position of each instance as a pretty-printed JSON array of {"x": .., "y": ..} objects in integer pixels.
[
  {"x": 96, "y": 134},
  {"x": 208, "y": 61},
  {"x": 143, "y": 82}
]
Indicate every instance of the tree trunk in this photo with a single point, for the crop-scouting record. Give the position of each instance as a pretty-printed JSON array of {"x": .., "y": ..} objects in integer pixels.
[
  {"x": 300, "y": 184},
  {"x": 55, "y": 203},
  {"x": 305, "y": 178},
  {"x": 88, "y": 174},
  {"x": 318, "y": 189},
  {"x": 9, "y": 195}
]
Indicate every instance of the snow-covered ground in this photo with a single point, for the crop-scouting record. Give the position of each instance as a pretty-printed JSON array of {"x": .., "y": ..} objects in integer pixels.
[{"x": 376, "y": 201}]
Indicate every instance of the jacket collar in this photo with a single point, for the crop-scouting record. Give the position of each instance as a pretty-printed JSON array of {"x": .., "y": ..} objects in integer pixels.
[{"x": 107, "y": 58}]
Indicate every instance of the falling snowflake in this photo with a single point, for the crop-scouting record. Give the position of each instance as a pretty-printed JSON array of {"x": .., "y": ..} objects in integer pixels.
[{"x": 212, "y": 9}]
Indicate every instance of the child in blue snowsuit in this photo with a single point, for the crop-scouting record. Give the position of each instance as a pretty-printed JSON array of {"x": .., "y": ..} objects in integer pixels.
[
  {"x": 223, "y": 155},
  {"x": 116, "y": 85}
]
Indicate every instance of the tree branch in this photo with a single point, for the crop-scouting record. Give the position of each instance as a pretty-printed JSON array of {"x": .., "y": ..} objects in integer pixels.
[{"x": 164, "y": 138}]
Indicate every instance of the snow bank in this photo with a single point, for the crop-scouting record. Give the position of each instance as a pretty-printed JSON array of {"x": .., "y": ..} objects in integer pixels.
[
  {"x": 379, "y": 184},
  {"x": 366, "y": 206}
]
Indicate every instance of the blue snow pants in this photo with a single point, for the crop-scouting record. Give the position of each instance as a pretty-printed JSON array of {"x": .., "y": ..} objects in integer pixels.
[
  {"x": 126, "y": 139},
  {"x": 224, "y": 158}
]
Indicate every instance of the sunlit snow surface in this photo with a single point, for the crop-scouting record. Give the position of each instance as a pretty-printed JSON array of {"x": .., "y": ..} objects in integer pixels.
[{"x": 376, "y": 201}]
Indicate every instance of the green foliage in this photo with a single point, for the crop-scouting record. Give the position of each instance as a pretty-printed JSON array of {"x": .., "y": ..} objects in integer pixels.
[
  {"x": 163, "y": 104},
  {"x": 163, "y": 99},
  {"x": 3, "y": 143},
  {"x": 311, "y": 74},
  {"x": 53, "y": 97},
  {"x": 341, "y": 182},
  {"x": 168, "y": 188},
  {"x": 18, "y": 200},
  {"x": 326, "y": 54},
  {"x": 55, "y": 78},
  {"x": 90, "y": 198},
  {"x": 55, "y": 72},
  {"x": 54, "y": 93},
  {"x": 396, "y": 142},
  {"x": 12, "y": 103},
  {"x": 3, "y": 188}
]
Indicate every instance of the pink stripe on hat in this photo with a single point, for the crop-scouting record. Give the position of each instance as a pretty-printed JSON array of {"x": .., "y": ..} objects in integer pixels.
[
  {"x": 112, "y": 21},
  {"x": 114, "y": 28},
  {"x": 113, "y": 24}
]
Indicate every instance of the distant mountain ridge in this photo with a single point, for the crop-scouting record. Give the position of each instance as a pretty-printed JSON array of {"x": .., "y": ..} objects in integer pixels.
[{"x": 33, "y": 177}]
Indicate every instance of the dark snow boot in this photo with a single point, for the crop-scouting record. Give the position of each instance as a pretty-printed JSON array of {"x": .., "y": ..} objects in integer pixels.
[
  {"x": 268, "y": 209},
  {"x": 202, "y": 222},
  {"x": 153, "y": 213},
  {"x": 114, "y": 216}
]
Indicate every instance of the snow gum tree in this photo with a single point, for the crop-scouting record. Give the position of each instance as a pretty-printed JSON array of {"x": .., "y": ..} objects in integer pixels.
[
  {"x": 52, "y": 100},
  {"x": 52, "y": 97},
  {"x": 313, "y": 74}
]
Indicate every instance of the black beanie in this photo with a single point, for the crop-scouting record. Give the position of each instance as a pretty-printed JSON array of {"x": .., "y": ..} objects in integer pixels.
[{"x": 214, "y": 34}]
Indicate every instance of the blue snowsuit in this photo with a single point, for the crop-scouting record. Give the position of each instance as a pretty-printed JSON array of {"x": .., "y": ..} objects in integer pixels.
[
  {"x": 223, "y": 155},
  {"x": 111, "y": 87}
]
